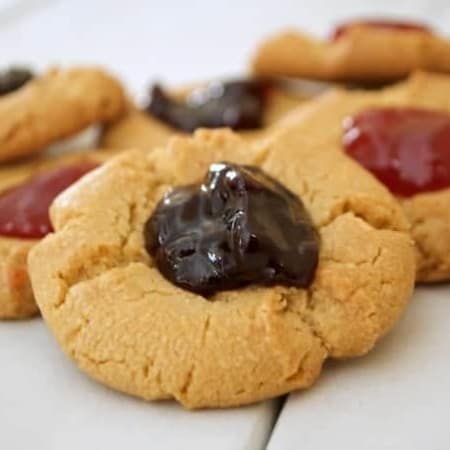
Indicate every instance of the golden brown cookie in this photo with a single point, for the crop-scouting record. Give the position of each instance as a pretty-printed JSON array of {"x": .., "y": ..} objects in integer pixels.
[
  {"x": 320, "y": 123},
  {"x": 56, "y": 105},
  {"x": 16, "y": 297},
  {"x": 139, "y": 129},
  {"x": 365, "y": 51},
  {"x": 128, "y": 327}
]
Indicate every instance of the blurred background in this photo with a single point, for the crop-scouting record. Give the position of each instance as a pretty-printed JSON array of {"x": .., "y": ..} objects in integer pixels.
[{"x": 174, "y": 40}]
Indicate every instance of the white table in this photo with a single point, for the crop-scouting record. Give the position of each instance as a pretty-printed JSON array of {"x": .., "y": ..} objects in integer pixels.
[
  {"x": 396, "y": 397},
  {"x": 46, "y": 404}
]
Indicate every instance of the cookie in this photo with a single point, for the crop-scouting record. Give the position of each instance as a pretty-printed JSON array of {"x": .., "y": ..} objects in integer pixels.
[
  {"x": 16, "y": 236},
  {"x": 141, "y": 129},
  {"x": 321, "y": 123},
  {"x": 362, "y": 51},
  {"x": 127, "y": 326},
  {"x": 53, "y": 106}
]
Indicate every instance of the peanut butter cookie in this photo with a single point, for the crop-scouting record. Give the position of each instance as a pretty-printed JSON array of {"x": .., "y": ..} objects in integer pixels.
[
  {"x": 38, "y": 111},
  {"x": 402, "y": 135},
  {"x": 362, "y": 51},
  {"x": 255, "y": 326},
  {"x": 250, "y": 106},
  {"x": 26, "y": 190}
]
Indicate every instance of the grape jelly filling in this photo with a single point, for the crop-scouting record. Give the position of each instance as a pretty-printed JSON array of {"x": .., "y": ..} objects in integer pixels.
[
  {"x": 238, "y": 105},
  {"x": 240, "y": 226},
  {"x": 13, "y": 79},
  {"x": 406, "y": 149},
  {"x": 24, "y": 209}
]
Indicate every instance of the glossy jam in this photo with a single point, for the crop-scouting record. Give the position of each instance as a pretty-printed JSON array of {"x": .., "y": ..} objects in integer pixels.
[
  {"x": 24, "y": 209},
  {"x": 380, "y": 24},
  {"x": 239, "y": 227},
  {"x": 407, "y": 149},
  {"x": 237, "y": 104},
  {"x": 13, "y": 79}
]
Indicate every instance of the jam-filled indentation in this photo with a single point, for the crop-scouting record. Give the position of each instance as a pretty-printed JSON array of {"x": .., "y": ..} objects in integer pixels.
[
  {"x": 237, "y": 104},
  {"x": 13, "y": 79},
  {"x": 24, "y": 208},
  {"x": 385, "y": 24},
  {"x": 239, "y": 226},
  {"x": 406, "y": 149}
]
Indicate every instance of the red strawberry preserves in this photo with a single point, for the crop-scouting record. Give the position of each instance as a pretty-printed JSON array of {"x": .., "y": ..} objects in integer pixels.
[
  {"x": 380, "y": 24},
  {"x": 406, "y": 149},
  {"x": 24, "y": 208}
]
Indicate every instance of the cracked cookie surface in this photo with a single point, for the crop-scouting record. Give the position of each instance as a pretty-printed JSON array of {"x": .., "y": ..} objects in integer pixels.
[
  {"x": 320, "y": 123},
  {"x": 56, "y": 105},
  {"x": 361, "y": 54},
  {"x": 139, "y": 129},
  {"x": 16, "y": 296},
  {"x": 128, "y": 327}
]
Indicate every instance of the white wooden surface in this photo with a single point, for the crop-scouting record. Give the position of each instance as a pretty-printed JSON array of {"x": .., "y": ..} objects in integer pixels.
[
  {"x": 397, "y": 397},
  {"x": 46, "y": 404}
]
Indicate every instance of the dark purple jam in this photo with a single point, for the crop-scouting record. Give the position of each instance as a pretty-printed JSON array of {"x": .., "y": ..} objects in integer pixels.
[
  {"x": 13, "y": 79},
  {"x": 240, "y": 226},
  {"x": 237, "y": 104}
]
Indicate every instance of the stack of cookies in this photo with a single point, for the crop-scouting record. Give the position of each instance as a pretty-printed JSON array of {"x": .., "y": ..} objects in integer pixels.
[{"x": 230, "y": 236}]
